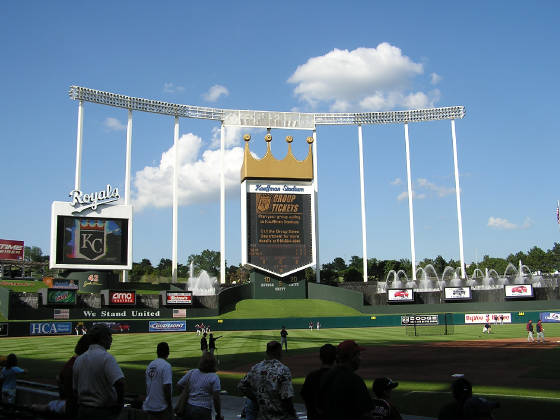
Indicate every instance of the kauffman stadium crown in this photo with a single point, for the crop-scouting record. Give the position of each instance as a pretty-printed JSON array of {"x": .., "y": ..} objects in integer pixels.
[{"x": 271, "y": 168}]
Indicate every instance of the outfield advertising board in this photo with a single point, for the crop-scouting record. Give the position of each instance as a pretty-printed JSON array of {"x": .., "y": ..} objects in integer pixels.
[
  {"x": 117, "y": 297},
  {"x": 419, "y": 320},
  {"x": 178, "y": 298},
  {"x": 514, "y": 291},
  {"x": 400, "y": 295},
  {"x": 11, "y": 250},
  {"x": 50, "y": 328},
  {"x": 549, "y": 316},
  {"x": 61, "y": 297},
  {"x": 494, "y": 317},
  {"x": 3, "y": 329},
  {"x": 458, "y": 293},
  {"x": 167, "y": 326}
]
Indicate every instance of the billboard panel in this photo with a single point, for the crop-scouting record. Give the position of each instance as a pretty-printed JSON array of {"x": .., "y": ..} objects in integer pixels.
[
  {"x": 11, "y": 250},
  {"x": 518, "y": 291},
  {"x": 549, "y": 316},
  {"x": 400, "y": 295},
  {"x": 118, "y": 297},
  {"x": 167, "y": 326},
  {"x": 458, "y": 293},
  {"x": 279, "y": 226},
  {"x": 495, "y": 317},
  {"x": 100, "y": 239},
  {"x": 178, "y": 298},
  {"x": 419, "y": 320},
  {"x": 61, "y": 297},
  {"x": 50, "y": 328}
]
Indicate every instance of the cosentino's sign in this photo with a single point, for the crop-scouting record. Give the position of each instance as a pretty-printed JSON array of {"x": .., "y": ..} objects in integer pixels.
[{"x": 82, "y": 201}]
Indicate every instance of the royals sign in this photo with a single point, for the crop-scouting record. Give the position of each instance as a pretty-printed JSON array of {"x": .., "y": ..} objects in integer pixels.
[{"x": 82, "y": 201}]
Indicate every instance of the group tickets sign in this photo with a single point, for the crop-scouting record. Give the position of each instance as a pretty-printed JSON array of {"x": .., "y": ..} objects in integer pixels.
[
  {"x": 280, "y": 227},
  {"x": 11, "y": 250}
]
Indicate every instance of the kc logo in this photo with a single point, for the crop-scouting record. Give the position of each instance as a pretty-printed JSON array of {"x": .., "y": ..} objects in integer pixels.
[{"x": 92, "y": 235}]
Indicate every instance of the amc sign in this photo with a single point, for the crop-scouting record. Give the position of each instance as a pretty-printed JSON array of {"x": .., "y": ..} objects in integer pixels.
[
  {"x": 179, "y": 298},
  {"x": 122, "y": 298}
]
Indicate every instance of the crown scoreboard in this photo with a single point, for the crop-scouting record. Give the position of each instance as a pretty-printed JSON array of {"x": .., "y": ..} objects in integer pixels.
[{"x": 278, "y": 213}]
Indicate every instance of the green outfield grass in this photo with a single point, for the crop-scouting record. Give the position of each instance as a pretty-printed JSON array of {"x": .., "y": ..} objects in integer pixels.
[
  {"x": 288, "y": 308},
  {"x": 44, "y": 357}
]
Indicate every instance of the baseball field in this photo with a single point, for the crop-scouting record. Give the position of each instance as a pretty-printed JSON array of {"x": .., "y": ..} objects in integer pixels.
[{"x": 523, "y": 377}]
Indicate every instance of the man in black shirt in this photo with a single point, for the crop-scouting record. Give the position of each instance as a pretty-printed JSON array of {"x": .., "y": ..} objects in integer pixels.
[
  {"x": 310, "y": 389},
  {"x": 342, "y": 393}
]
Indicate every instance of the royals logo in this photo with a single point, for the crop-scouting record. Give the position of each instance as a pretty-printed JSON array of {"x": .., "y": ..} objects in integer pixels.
[
  {"x": 92, "y": 237},
  {"x": 264, "y": 202}
]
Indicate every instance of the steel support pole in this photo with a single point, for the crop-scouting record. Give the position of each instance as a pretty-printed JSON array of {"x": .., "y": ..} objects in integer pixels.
[
  {"x": 316, "y": 209},
  {"x": 222, "y": 206},
  {"x": 410, "y": 209},
  {"x": 458, "y": 195},
  {"x": 79, "y": 139},
  {"x": 175, "y": 200},
  {"x": 363, "y": 202},
  {"x": 127, "y": 173}
]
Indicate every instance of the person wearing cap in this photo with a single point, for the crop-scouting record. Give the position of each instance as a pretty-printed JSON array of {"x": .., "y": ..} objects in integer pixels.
[
  {"x": 383, "y": 408},
  {"x": 310, "y": 388},
  {"x": 284, "y": 337},
  {"x": 466, "y": 406},
  {"x": 530, "y": 330},
  {"x": 540, "y": 331},
  {"x": 343, "y": 393},
  {"x": 269, "y": 386}
]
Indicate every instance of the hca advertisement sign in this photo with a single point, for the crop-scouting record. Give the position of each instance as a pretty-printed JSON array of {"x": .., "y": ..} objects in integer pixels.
[
  {"x": 400, "y": 295},
  {"x": 122, "y": 298},
  {"x": 493, "y": 318},
  {"x": 179, "y": 298},
  {"x": 50, "y": 328},
  {"x": 167, "y": 326},
  {"x": 11, "y": 250}
]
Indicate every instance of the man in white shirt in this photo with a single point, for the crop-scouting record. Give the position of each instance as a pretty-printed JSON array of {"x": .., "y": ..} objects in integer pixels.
[
  {"x": 98, "y": 381},
  {"x": 158, "y": 386}
]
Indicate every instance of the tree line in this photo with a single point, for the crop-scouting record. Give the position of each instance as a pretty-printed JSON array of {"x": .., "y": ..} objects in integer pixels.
[{"x": 338, "y": 270}]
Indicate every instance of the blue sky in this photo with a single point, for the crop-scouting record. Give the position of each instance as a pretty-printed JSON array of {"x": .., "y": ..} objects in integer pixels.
[{"x": 498, "y": 59}]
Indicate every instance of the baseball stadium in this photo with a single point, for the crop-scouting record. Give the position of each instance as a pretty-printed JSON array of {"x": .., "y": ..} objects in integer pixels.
[{"x": 422, "y": 332}]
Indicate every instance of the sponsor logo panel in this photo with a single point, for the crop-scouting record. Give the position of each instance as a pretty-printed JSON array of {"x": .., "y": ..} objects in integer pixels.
[
  {"x": 11, "y": 250},
  {"x": 493, "y": 318},
  {"x": 549, "y": 316},
  {"x": 400, "y": 295},
  {"x": 122, "y": 298},
  {"x": 167, "y": 326},
  {"x": 179, "y": 298},
  {"x": 419, "y": 320},
  {"x": 50, "y": 328},
  {"x": 518, "y": 290}
]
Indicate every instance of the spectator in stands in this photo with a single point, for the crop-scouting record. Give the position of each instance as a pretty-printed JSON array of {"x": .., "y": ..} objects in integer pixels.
[
  {"x": 98, "y": 381},
  {"x": 8, "y": 376},
  {"x": 269, "y": 385},
  {"x": 201, "y": 388},
  {"x": 465, "y": 405},
  {"x": 203, "y": 344},
  {"x": 159, "y": 378},
  {"x": 67, "y": 404},
  {"x": 310, "y": 389},
  {"x": 383, "y": 407},
  {"x": 343, "y": 393}
]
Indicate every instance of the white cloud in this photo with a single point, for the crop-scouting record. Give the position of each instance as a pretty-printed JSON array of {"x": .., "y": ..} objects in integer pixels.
[
  {"x": 435, "y": 78},
  {"x": 113, "y": 124},
  {"x": 199, "y": 175},
  {"x": 370, "y": 79},
  {"x": 430, "y": 186},
  {"x": 504, "y": 224},
  {"x": 396, "y": 181},
  {"x": 234, "y": 135},
  {"x": 169, "y": 87},
  {"x": 415, "y": 195},
  {"x": 215, "y": 92}
]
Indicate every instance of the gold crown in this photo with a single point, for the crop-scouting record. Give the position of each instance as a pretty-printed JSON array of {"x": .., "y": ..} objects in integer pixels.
[{"x": 270, "y": 168}]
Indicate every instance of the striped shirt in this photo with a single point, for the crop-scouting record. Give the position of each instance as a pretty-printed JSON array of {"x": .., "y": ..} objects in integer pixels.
[{"x": 201, "y": 387}]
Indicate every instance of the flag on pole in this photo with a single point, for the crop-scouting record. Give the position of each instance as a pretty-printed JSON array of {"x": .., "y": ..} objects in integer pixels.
[{"x": 558, "y": 212}]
